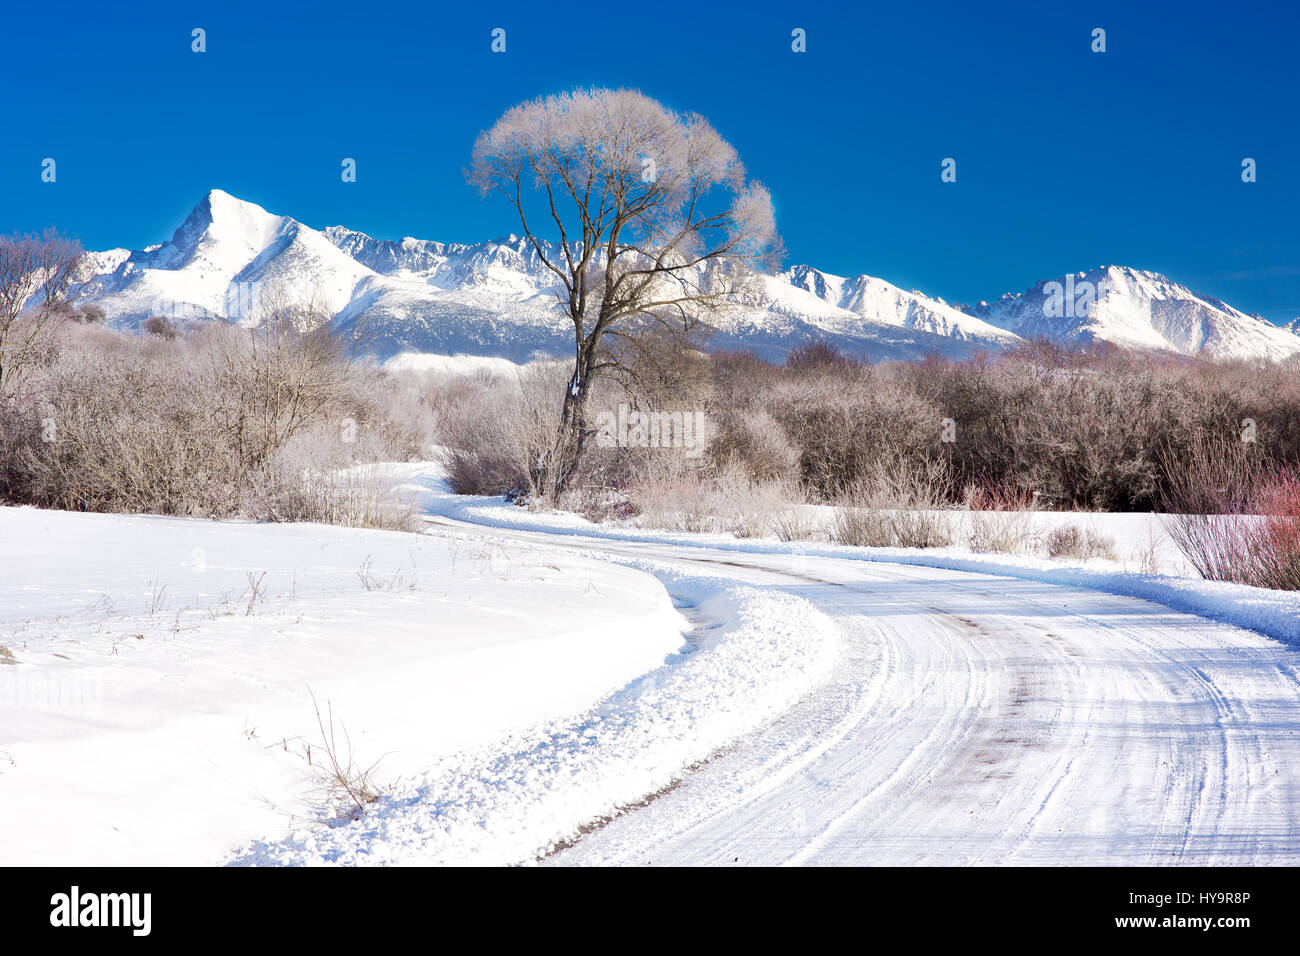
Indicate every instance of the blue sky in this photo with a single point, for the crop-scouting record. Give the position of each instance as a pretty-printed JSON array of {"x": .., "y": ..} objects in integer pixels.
[{"x": 1066, "y": 159}]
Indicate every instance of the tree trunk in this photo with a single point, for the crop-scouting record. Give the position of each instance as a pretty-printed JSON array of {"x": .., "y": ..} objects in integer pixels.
[{"x": 557, "y": 468}]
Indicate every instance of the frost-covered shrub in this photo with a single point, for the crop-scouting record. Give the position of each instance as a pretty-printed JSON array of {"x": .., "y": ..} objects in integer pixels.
[
  {"x": 222, "y": 422},
  {"x": 898, "y": 504},
  {"x": 845, "y": 425},
  {"x": 497, "y": 430},
  {"x": 1000, "y": 522},
  {"x": 753, "y": 441},
  {"x": 1081, "y": 544},
  {"x": 1236, "y": 517}
]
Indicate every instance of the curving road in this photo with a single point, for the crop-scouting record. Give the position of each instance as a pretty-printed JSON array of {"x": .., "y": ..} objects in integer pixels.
[{"x": 975, "y": 719}]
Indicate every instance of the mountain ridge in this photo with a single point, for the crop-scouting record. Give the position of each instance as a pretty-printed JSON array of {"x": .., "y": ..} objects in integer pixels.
[{"x": 497, "y": 298}]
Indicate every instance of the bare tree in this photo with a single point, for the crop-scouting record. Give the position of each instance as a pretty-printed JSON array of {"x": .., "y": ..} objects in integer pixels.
[
  {"x": 652, "y": 224},
  {"x": 35, "y": 275}
]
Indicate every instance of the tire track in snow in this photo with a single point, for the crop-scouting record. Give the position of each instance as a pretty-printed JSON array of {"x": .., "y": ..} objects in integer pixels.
[{"x": 1135, "y": 737}]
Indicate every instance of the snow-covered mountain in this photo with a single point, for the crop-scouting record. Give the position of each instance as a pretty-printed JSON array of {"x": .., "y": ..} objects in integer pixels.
[
  {"x": 498, "y": 299},
  {"x": 223, "y": 249},
  {"x": 1139, "y": 310},
  {"x": 877, "y": 301}
]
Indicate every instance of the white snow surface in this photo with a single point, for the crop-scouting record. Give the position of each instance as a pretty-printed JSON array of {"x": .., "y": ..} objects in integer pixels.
[
  {"x": 420, "y": 362},
  {"x": 155, "y": 714},
  {"x": 513, "y": 801}
]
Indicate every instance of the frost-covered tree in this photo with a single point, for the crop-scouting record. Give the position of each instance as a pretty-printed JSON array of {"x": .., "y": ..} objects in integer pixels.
[
  {"x": 36, "y": 273},
  {"x": 647, "y": 220}
]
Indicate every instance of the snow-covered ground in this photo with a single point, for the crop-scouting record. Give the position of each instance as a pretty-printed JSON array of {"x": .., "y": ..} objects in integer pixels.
[
  {"x": 523, "y": 678},
  {"x": 421, "y": 362},
  {"x": 153, "y": 710},
  {"x": 977, "y": 719}
]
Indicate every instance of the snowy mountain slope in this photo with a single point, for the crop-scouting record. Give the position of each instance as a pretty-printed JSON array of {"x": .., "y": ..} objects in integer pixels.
[
  {"x": 499, "y": 299},
  {"x": 1137, "y": 309},
  {"x": 509, "y": 265},
  {"x": 490, "y": 298},
  {"x": 406, "y": 316},
  {"x": 791, "y": 316},
  {"x": 877, "y": 301},
  {"x": 215, "y": 263}
]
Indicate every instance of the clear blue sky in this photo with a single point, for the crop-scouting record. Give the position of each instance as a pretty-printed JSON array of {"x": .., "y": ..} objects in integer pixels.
[{"x": 1066, "y": 159}]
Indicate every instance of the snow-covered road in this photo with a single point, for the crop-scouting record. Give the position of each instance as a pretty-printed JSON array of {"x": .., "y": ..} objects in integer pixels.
[{"x": 980, "y": 719}]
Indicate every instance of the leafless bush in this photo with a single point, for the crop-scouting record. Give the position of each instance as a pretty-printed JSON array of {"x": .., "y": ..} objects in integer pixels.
[
  {"x": 751, "y": 439},
  {"x": 36, "y": 273},
  {"x": 1235, "y": 517},
  {"x": 1084, "y": 430},
  {"x": 160, "y": 326},
  {"x": 270, "y": 424},
  {"x": 898, "y": 504},
  {"x": 343, "y": 779},
  {"x": 1081, "y": 544},
  {"x": 847, "y": 423},
  {"x": 497, "y": 431},
  {"x": 677, "y": 494},
  {"x": 794, "y": 519},
  {"x": 1001, "y": 522},
  {"x": 862, "y": 525},
  {"x": 673, "y": 494},
  {"x": 359, "y": 497},
  {"x": 820, "y": 356},
  {"x": 1209, "y": 490},
  {"x": 1274, "y": 536},
  {"x": 746, "y": 506},
  {"x": 599, "y": 505},
  {"x": 120, "y": 432},
  {"x": 320, "y": 477}
]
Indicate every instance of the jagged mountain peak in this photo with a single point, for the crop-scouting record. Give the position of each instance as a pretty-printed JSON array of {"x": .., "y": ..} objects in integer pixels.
[{"x": 230, "y": 228}]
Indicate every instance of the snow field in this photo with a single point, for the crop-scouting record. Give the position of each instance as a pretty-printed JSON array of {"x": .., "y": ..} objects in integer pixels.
[{"x": 154, "y": 710}]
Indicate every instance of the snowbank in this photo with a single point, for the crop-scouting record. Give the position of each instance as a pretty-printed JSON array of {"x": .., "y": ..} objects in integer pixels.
[{"x": 516, "y": 800}]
